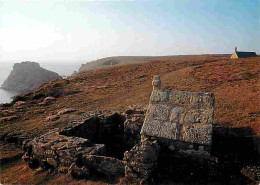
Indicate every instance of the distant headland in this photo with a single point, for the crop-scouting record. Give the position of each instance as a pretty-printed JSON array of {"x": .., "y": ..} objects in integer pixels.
[{"x": 27, "y": 76}]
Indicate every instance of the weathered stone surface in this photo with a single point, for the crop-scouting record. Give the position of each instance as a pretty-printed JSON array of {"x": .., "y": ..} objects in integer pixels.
[
  {"x": 59, "y": 150},
  {"x": 165, "y": 129},
  {"x": 52, "y": 117},
  {"x": 78, "y": 172},
  {"x": 141, "y": 160},
  {"x": 47, "y": 100},
  {"x": 65, "y": 111},
  {"x": 176, "y": 114},
  {"x": 156, "y": 82},
  {"x": 52, "y": 162},
  {"x": 159, "y": 112},
  {"x": 160, "y": 96},
  {"x": 133, "y": 124},
  {"x": 197, "y": 133},
  {"x": 180, "y": 115},
  {"x": 107, "y": 165}
]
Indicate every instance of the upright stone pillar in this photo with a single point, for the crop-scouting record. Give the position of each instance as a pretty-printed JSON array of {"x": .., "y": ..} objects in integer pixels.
[{"x": 156, "y": 83}]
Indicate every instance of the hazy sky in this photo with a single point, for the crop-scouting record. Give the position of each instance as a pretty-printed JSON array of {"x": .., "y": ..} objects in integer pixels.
[{"x": 87, "y": 30}]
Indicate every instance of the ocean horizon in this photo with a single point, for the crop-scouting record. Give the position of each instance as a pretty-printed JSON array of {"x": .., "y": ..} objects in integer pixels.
[{"x": 62, "y": 69}]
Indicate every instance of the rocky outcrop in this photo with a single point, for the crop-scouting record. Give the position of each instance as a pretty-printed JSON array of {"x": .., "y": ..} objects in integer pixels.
[{"x": 28, "y": 76}]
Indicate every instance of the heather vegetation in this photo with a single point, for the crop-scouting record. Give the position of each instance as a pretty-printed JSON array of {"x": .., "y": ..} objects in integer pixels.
[{"x": 55, "y": 105}]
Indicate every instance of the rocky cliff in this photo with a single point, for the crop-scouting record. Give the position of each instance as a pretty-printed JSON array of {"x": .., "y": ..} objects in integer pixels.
[{"x": 28, "y": 76}]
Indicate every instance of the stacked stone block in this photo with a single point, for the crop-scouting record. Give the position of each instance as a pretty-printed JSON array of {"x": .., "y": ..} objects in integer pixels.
[
  {"x": 60, "y": 151},
  {"x": 179, "y": 120},
  {"x": 141, "y": 161},
  {"x": 133, "y": 124},
  {"x": 180, "y": 115}
]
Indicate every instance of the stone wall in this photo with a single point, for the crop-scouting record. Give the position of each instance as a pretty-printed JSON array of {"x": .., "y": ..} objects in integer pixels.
[
  {"x": 93, "y": 144},
  {"x": 133, "y": 124},
  {"x": 55, "y": 150},
  {"x": 178, "y": 122},
  {"x": 180, "y": 115},
  {"x": 141, "y": 161}
]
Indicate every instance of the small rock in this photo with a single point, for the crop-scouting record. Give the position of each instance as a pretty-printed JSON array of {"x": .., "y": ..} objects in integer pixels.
[
  {"x": 26, "y": 158},
  {"x": 66, "y": 111},
  {"x": 38, "y": 170},
  {"x": 47, "y": 100},
  {"x": 20, "y": 104},
  {"x": 52, "y": 162},
  {"x": 79, "y": 172},
  {"x": 52, "y": 118},
  {"x": 10, "y": 118}
]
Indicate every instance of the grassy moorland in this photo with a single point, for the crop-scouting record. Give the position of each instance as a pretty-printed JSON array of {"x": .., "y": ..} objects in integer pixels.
[{"x": 235, "y": 83}]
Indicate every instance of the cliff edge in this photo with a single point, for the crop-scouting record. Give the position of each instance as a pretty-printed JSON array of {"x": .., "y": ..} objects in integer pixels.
[
  {"x": 122, "y": 60},
  {"x": 28, "y": 76}
]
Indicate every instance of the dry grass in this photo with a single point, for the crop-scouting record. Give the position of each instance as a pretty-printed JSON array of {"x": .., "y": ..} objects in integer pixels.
[{"x": 235, "y": 83}]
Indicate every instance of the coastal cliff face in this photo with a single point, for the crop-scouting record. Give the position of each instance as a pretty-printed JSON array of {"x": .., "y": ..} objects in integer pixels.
[{"x": 28, "y": 76}]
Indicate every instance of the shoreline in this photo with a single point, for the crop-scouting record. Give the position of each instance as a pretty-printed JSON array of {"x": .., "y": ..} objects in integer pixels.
[{"x": 6, "y": 96}]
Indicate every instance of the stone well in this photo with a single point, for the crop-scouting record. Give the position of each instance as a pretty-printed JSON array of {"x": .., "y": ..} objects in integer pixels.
[{"x": 177, "y": 123}]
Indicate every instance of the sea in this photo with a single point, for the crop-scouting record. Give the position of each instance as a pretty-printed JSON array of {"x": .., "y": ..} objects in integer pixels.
[{"x": 64, "y": 69}]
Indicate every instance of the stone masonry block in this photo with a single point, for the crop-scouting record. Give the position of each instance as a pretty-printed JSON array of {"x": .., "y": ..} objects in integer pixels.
[
  {"x": 180, "y": 115},
  {"x": 158, "y": 112},
  {"x": 197, "y": 133},
  {"x": 176, "y": 114},
  {"x": 164, "y": 129},
  {"x": 160, "y": 96}
]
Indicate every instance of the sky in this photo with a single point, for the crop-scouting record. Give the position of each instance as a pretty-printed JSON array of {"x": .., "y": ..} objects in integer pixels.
[{"x": 88, "y": 30}]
